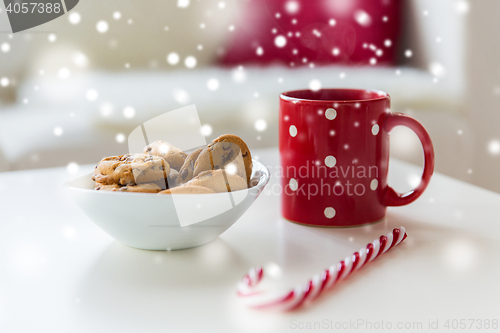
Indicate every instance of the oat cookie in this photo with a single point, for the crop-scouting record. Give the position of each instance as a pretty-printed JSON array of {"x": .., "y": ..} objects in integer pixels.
[
  {"x": 173, "y": 155},
  {"x": 172, "y": 177},
  {"x": 224, "y": 150},
  {"x": 130, "y": 169},
  {"x": 102, "y": 187},
  {"x": 219, "y": 181},
  {"x": 170, "y": 182},
  {"x": 188, "y": 189},
  {"x": 187, "y": 169},
  {"x": 141, "y": 188}
]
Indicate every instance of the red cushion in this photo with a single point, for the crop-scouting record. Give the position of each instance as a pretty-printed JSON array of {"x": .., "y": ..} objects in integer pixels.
[{"x": 315, "y": 31}]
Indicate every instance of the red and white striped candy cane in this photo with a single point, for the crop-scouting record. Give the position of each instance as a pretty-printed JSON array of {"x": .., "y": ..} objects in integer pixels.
[{"x": 320, "y": 282}]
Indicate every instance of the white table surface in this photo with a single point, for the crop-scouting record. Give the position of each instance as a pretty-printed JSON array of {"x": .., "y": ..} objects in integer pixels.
[{"x": 61, "y": 273}]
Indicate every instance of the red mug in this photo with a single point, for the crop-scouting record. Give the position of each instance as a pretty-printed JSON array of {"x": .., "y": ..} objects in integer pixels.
[{"x": 334, "y": 149}]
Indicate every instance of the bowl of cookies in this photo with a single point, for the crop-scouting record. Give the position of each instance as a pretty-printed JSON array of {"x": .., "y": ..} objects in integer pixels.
[{"x": 166, "y": 199}]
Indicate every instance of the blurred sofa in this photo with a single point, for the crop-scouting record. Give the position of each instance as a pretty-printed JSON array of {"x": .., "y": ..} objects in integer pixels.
[{"x": 48, "y": 119}]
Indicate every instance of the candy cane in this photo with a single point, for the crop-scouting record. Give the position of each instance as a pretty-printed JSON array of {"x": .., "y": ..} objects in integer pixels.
[{"x": 320, "y": 282}]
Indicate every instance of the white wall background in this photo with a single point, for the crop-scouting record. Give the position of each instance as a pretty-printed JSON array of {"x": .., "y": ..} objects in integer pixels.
[{"x": 483, "y": 91}]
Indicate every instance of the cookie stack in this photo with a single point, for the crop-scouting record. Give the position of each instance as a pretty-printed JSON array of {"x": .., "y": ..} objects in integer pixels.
[{"x": 224, "y": 165}]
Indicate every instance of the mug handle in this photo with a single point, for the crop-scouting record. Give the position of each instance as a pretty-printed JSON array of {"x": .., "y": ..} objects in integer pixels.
[{"x": 393, "y": 198}]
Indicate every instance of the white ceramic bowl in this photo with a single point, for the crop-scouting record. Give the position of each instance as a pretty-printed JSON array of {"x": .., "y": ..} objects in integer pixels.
[{"x": 165, "y": 222}]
